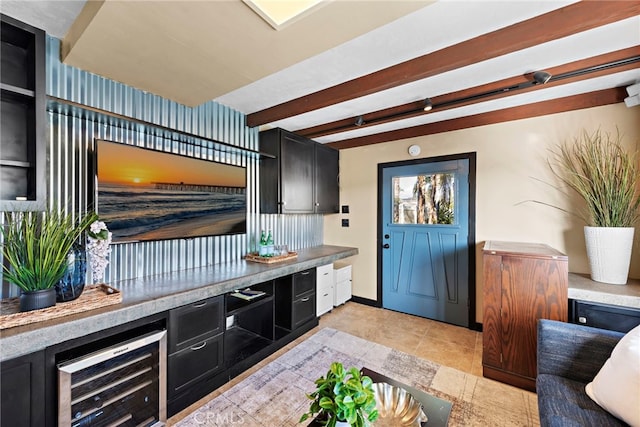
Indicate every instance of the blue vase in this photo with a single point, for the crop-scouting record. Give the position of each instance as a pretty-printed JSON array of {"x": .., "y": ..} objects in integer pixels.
[{"x": 72, "y": 283}]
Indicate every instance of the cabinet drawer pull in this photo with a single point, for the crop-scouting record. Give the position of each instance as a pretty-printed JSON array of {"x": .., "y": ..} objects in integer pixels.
[
  {"x": 305, "y": 299},
  {"x": 304, "y": 273},
  {"x": 199, "y": 304},
  {"x": 326, "y": 274},
  {"x": 325, "y": 295},
  {"x": 198, "y": 347}
]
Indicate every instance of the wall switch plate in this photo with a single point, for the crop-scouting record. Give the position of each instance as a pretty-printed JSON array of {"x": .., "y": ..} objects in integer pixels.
[
  {"x": 345, "y": 208},
  {"x": 345, "y": 222}
]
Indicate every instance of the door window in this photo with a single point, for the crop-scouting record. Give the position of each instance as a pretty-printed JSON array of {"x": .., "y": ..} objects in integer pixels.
[{"x": 424, "y": 199}]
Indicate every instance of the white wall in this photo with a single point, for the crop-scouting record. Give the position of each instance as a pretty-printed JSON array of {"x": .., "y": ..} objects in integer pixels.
[{"x": 511, "y": 169}]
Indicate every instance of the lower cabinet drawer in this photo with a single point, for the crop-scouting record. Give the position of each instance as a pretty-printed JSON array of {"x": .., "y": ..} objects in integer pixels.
[
  {"x": 193, "y": 323},
  {"x": 194, "y": 363},
  {"x": 324, "y": 300},
  {"x": 304, "y": 309},
  {"x": 303, "y": 282},
  {"x": 603, "y": 316}
]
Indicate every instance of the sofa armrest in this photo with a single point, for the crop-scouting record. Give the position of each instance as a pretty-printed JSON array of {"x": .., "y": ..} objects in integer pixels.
[{"x": 576, "y": 352}]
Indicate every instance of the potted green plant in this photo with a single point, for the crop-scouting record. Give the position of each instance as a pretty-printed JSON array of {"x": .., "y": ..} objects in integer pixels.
[
  {"x": 343, "y": 397},
  {"x": 35, "y": 246},
  {"x": 605, "y": 175}
]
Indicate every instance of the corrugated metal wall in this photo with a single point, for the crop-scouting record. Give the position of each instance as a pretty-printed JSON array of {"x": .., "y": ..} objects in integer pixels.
[{"x": 71, "y": 144}]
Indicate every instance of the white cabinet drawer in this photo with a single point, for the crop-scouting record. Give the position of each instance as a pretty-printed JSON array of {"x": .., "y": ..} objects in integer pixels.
[
  {"x": 324, "y": 276},
  {"x": 342, "y": 272},
  {"x": 324, "y": 288},
  {"x": 324, "y": 301},
  {"x": 342, "y": 286}
]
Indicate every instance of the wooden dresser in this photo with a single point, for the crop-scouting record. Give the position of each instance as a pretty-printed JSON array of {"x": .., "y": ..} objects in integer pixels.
[{"x": 523, "y": 282}]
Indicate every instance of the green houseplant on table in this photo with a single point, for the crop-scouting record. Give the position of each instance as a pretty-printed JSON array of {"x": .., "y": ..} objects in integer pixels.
[
  {"x": 599, "y": 169},
  {"x": 344, "y": 396},
  {"x": 35, "y": 246}
]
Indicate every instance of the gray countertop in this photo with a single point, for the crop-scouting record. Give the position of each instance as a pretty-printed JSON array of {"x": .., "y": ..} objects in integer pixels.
[
  {"x": 151, "y": 295},
  {"x": 581, "y": 287}
]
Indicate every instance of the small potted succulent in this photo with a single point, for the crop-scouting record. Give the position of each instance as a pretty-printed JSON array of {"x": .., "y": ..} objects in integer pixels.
[
  {"x": 343, "y": 398},
  {"x": 35, "y": 249}
]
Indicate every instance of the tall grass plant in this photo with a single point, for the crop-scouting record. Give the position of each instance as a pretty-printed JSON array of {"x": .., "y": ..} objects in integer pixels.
[
  {"x": 35, "y": 246},
  {"x": 597, "y": 167}
]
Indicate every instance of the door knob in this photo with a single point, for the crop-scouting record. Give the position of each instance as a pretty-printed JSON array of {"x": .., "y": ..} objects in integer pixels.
[{"x": 385, "y": 246}]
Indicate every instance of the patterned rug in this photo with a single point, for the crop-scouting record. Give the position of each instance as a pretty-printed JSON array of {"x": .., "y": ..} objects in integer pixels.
[{"x": 275, "y": 395}]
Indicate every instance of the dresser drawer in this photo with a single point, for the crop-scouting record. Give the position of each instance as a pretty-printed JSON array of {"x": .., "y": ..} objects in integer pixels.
[
  {"x": 304, "y": 309},
  {"x": 193, "y": 323},
  {"x": 195, "y": 363},
  {"x": 303, "y": 282}
]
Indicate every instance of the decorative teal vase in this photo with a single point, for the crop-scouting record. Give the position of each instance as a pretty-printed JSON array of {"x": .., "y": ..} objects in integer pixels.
[{"x": 72, "y": 283}]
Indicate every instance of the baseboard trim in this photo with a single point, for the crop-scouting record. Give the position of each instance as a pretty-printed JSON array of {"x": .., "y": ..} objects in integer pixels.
[{"x": 366, "y": 301}]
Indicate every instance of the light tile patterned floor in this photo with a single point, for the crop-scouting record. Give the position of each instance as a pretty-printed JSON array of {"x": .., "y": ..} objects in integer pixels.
[{"x": 442, "y": 343}]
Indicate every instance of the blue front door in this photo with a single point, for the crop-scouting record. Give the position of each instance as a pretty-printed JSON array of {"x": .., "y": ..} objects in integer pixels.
[{"x": 425, "y": 238}]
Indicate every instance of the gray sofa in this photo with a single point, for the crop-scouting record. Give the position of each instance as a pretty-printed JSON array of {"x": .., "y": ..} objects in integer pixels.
[{"x": 569, "y": 357}]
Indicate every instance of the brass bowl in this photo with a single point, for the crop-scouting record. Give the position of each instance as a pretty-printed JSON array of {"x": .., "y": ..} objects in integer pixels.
[{"x": 396, "y": 407}]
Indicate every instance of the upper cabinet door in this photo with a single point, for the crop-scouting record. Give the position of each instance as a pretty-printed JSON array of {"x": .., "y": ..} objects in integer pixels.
[
  {"x": 327, "y": 180},
  {"x": 22, "y": 116},
  {"x": 301, "y": 179},
  {"x": 297, "y": 174}
]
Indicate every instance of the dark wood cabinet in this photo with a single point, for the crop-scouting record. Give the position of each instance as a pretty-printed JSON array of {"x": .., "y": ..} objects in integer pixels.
[
  {"x": 295, "y": 300},
  {"x": 301, "y": 179},
  {"x": 523, "y": 282},
  {"x": 192, "y": 323},
  {"x": 196, "y": 350},
  {"x": 194, "y": 363},
  {"x": 22, "y": 391},
  {"x": 327, "y": 179},
  {"x": 22, "y": 116}
]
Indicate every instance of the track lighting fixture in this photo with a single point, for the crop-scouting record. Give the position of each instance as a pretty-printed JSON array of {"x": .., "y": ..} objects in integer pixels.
[
  {"x": 528, "y": 81},
  {"x": 634, "y": 95},
  {"x": 541, "y": 77},
  {"x": 428, "y": 105}
]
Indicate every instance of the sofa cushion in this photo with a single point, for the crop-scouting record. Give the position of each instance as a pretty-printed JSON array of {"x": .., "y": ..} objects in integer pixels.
[
  {"x": 564, "y": 403},
  {"x": 617, "y": 386}
]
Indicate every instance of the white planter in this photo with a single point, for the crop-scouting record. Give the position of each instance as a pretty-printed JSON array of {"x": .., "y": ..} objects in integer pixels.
[{"x": 609, "y": 253}]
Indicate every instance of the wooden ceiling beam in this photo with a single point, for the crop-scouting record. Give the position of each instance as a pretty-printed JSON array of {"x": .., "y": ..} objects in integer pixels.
[
  {"x": 563, "y": 22},
  {"x": 487, "y": 92},
  {"x": 554, "y": 106}
]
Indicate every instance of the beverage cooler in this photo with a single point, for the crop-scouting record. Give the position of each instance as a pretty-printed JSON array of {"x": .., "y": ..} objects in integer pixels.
[{"x": 122, "y": 385}]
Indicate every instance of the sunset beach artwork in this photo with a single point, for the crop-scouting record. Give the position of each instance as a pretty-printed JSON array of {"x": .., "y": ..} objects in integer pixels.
[{"x": 153, "y": 195}]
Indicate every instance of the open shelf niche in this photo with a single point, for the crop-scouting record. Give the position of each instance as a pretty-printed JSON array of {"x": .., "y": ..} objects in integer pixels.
[{"x": 249, "y": 324}]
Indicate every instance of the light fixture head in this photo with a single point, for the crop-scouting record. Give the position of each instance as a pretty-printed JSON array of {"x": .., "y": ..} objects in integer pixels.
[
  {"x": 541, "y": 77},
  {"x": 633, "y": 89},
  {"x": 428, "y": 105},
  {"x": 632, "y": 101},
  {"x": 359, "y": 121}
]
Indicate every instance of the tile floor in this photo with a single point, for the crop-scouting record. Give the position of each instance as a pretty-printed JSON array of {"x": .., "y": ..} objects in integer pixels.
[{"x": 445, "y": 344}]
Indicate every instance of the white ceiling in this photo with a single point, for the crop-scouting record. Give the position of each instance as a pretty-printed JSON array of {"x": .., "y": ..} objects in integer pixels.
[{"x": 194, "y": 51}]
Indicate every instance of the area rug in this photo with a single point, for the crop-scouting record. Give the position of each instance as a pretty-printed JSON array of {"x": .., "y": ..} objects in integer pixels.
[{"x": 275, "y": 395}]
